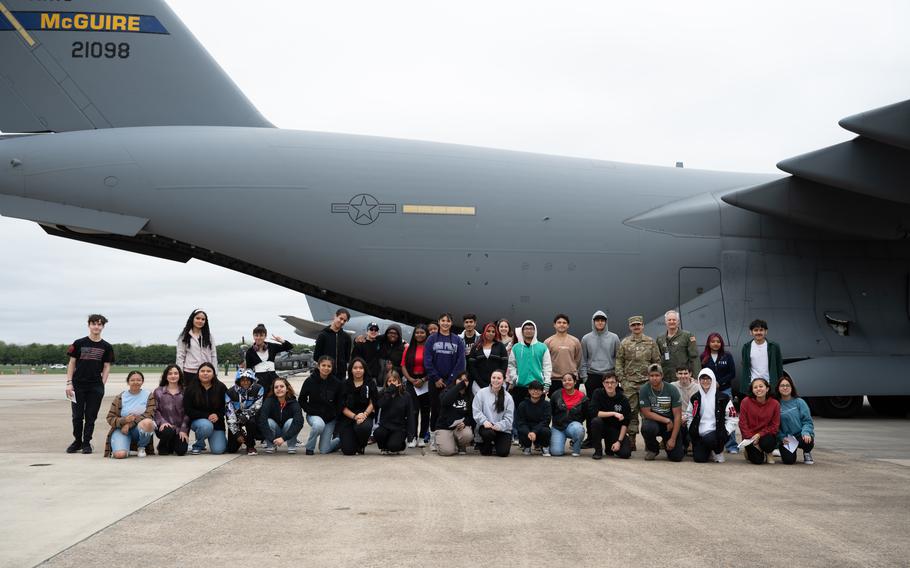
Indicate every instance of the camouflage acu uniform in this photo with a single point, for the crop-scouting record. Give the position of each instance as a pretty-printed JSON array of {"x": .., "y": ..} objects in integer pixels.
[
  {"x": 683, "y": 353},
  {"x": 632, "y": 360}
]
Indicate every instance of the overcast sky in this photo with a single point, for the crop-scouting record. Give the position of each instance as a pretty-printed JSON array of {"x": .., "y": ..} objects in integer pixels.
[{"x": 718, "y": 85}]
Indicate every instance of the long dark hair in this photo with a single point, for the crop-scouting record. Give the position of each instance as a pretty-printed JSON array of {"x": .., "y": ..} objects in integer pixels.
[
  {"x": 789, "y": 379},
  {"x": 197, "y": 391},
  {"x": 206, "y": 339},
  {"x": 328, "y": 358},
  {"x": 412, "y": 353},
  {"x": 501, "y": 395},
  {"x": 706, "y": 354},
  {"x": 167, "y": 370}
]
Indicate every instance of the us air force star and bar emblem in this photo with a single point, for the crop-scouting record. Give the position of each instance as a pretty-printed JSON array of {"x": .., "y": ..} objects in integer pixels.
[{"x": 364, "y": 209}]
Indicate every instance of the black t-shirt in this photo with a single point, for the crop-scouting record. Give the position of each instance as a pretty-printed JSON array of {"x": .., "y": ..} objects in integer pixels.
[{"x": 90, "y": 358}]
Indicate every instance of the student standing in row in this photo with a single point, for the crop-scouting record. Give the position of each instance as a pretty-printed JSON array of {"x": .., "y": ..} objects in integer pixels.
[
  {"x": 636, "y": 352},
  {"x": 204, "y": 404},
  {"x": 610, "y": 414},
  {"x": 529, "y": 361},
  {"x": 761, "y": 359},
  {"x": 131, "y": 421},
  {"x": 195, "y": 346},
  {"x": 565, "y": 352},
  {"x": 170, "y": 417},
  {"x": 598, "y": 353},
  {"x": 391, "y": 349},
  {"x": 280, "y": 418},
  {"x": 505, "y": 334},
  {"x": 367, "y": 348},
  {"x": 90, "y": 360},
  {"x": 795, "y": 422},
  {"x": 419, "y": 390},
  {"x": 720, "y": 361},
  {"x": 334, "y": 341},
  {"x": 444, "y": 359},
  {"x": 486, "y": 356},
  {"x": 260, "y": 357},
  {"x": 469, "y": 336}
]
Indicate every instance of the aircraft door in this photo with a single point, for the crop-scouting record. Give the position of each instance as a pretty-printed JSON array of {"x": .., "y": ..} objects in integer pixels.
[
  {"x": 836, "y": 314},
  {"x": 701, "y": 302}
]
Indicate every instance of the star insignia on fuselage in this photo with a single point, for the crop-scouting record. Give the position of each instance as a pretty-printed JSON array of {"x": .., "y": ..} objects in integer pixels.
[{"x": 364, "y": 209}]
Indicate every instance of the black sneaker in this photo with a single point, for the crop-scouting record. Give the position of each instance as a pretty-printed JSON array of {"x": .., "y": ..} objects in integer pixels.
[
  {"x": 597, "y": 455},
  {"x": 309, "y": 452},
  {"x": 87, "y": 448},
  {"x": 74, "y": 447}
]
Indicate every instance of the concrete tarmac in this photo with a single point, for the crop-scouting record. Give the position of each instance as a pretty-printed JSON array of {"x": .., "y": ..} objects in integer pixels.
[{"x": 850, "y": 508}]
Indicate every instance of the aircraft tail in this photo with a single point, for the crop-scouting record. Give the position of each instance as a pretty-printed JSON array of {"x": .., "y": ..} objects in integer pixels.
[{"x": 111, "y": 63}]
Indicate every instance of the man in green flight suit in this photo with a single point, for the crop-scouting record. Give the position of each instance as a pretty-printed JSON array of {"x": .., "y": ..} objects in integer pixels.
[
  {"x": 677, "y": 348},
  {"x": 635, "y": 353}
]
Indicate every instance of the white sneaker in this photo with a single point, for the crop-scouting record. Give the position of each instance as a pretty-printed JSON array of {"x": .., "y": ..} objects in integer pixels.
[
  {"x": 719, "y": 458},
  {"x": 412, "y": 444},
  {"x": 575, "y": 454},
  {"x": 420, "y": 443},
  {"x": 545, "y": 452},
  {"x": 807, "y": 458},
  {"x": 776, "y": 453},
  {"x": 526, "y": 451},
  {"x": 141, "y": 452}
]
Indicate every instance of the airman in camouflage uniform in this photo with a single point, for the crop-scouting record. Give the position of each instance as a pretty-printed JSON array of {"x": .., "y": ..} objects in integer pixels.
[
  {"x": 677, "y": 348},
  {"x": 635, "y": 353}
]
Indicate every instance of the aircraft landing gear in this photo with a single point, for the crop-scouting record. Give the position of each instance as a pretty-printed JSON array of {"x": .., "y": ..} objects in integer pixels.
[
  {"x": 894, "y": 406},
  {"x": 836, "y": 406}
]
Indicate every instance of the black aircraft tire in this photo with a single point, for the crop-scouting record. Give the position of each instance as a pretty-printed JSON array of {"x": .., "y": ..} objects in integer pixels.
[
  {"x": 840, "y": 406},
  {"x": 893, "y": 406}
]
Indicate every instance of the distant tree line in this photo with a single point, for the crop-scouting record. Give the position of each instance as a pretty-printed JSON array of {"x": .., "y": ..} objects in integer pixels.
[{"x": 125, "y": 353}]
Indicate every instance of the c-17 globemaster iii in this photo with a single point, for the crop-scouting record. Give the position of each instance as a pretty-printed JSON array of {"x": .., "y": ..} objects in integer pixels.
[{"x": 131, "y": 128}]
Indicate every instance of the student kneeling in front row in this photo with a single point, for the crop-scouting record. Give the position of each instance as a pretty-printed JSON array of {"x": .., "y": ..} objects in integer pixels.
[
  {"x": 661, "y": 409},
  {"x": 711, "y": 420},
  {"x": 610, "y": 414}
]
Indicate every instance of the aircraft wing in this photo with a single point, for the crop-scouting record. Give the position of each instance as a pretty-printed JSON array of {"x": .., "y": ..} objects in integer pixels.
[
  {"x": 304, "y": 327},
  {"x": 58, "y": 73},
  {"x": 856, "y": 188}
]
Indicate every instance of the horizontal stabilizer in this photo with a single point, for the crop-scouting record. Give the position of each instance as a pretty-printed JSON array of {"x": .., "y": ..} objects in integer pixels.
[
  {"x": 861, "y": 165},
  {"x": 304, "y": 327},
  {"x": 859, "y": 188},
  {"x": 805, "y": 202},
  {"x": 889, "y": 124},
  {"x": 70, "y": 216}
]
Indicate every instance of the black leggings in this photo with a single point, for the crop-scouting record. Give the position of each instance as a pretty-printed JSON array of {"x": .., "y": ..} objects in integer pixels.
[
  {"x": 354, "y": 437},
  {"x": 789, "y": 457},
  {"x": 391, "y": 440},
  {"x": 703, "y": 445},
  {"x": 490, "y": 439},
  {"x": 421, "y": 404},
  {"x": 602, "y": 434},
  {"x": 766, "y": 445},
  {"x": 542, "y": 435},
  {"x": 169, "y": 442},
  {"x": 434, "y": 404}
]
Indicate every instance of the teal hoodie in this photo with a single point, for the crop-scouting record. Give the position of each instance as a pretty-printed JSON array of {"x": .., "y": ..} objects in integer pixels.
[
  {"x": 795, "y": 419},
  {"x": 529, "y": 362}
]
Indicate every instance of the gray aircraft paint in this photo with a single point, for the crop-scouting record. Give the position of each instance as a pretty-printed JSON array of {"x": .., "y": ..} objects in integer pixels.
[{"x": 629, "y": 239}]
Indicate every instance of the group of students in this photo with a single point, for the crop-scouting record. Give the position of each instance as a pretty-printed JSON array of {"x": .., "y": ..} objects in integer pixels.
[{"x": 487, "y": 388}]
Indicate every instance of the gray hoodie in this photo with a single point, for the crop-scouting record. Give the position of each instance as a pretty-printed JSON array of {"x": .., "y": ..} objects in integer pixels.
[{"x": 598, "y": 350}]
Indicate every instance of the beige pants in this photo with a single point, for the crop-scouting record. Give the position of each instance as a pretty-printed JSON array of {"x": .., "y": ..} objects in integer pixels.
[{"x": 447, "y": 441}]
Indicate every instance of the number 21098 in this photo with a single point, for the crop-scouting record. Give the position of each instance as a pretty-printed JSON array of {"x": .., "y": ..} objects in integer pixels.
[{"x": 98, "y": 50}]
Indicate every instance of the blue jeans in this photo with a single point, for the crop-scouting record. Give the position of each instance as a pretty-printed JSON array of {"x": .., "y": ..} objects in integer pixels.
[
  {"x": 205, "y": 430},
  {"x": 731, "y": 441},
  {"x": 275, "y": 432},
  {"x": 323, "y": 430},
  {"x": 120, "y": 442},
  {"x": 574, "y": 430}
]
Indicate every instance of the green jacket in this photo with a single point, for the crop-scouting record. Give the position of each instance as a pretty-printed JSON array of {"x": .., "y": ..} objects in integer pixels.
[
  {"x": 775, "y": 366},
  {"x": 683, "y": 352}
]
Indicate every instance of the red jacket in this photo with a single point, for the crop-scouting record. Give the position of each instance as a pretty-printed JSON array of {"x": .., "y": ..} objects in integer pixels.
[{"x": 756, "y": 418}]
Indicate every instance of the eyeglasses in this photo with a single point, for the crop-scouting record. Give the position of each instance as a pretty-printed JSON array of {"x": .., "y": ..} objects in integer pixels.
[{"x": 704, "y": 378}]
